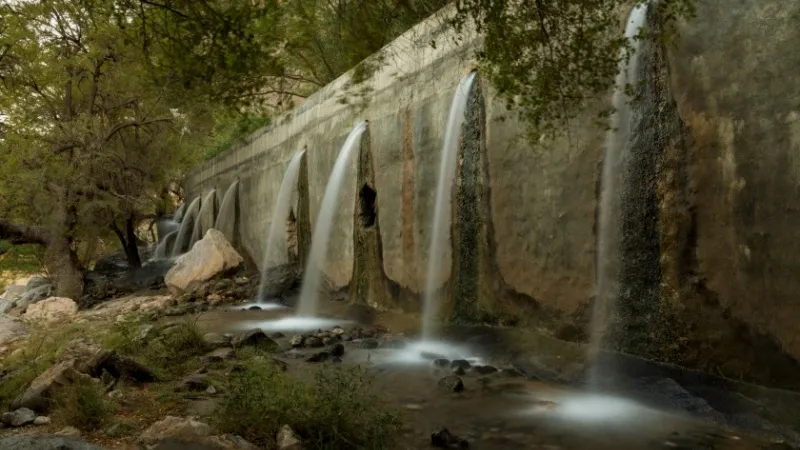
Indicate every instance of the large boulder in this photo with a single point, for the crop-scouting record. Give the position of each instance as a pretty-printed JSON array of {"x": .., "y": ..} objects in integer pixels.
[
  {"x": 46, "y": 443},
  {"x": 209, "y": 257},
  {"x": 11, "y": 328},
  {"x": 176, "y": 432},
  {"x": 52, "y": 309}
]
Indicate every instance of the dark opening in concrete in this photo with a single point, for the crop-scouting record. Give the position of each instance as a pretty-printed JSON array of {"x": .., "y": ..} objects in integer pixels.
[{"x": 366, "y": 209}]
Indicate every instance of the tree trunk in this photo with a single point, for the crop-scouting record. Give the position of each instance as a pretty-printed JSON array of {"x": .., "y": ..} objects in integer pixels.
[
  {"x": 63, "y": 267},
  {"x": 128, "y": 241},
  {"x": 132, "y": 249}
]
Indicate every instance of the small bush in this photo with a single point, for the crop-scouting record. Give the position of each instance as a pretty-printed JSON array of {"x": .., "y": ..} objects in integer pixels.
[
  {"x": 83, "y": 404},
  {"x": 337, "y": 412}
]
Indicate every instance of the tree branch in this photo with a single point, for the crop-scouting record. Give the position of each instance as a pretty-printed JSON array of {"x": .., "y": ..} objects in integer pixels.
[{"x": 21, "y": 234}]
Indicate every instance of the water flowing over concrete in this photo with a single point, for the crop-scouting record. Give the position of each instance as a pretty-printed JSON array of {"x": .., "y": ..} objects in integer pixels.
[
  {"x": 609, "y": 229},
  {"x": 276, "y": 251},
  {"x": 205, "y": 218},
  {"x": 164, "y": 246},
  {"x": 322, "y": 230},
  {"x": 226, "y": 218},
  {"x": 182, "y": 241},
  {"x": 442, "y": 207},
  {"x": 179, "y": 213}
]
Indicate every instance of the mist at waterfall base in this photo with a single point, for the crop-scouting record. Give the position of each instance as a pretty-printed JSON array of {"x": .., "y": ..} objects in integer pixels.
[
  {"x": 442, "y": 207},
  {"x": 276, "y": 251}
]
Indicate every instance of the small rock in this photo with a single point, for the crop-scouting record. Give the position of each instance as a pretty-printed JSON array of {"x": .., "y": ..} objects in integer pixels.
[
  {"x": 318, "y": 357},
  {"x": 277, "y": 335},
  {"x": 444, "y": 439},
  {"x": 484, "y": 370},
  {"x": 41, "y": 420},
  {"x": 296, "y": 341},
  {"x": 451, "y": 383},
  {"x": 253, "y": 337},
  {"x": 115, "y": 394},
  {"x": 463, "y": 363},
  {"x": 369, "y": 343},
  {"x": 69, "y": 431},
  {"x": 457, "y": 370},
  {"x": 217, "y": 356},
  {"x": 241, "y": 281},
  {"x": 254, "y": 308},
  {"x": 287, "y": 440},
  {"x": 312, "y": 342},
  {"x": 211, "y": 390},
  {"x": 413, "y": 407},
  {"x": 441, "y": 362},
  {"x": 196, "y": 382},
  {"x": 327, "y": 340},
  {"x": 338, "y": 331},
  {"x": 19, "y": 417},
  {"x": 214, "y": 299},
  {"x": 337, "y": 350}
]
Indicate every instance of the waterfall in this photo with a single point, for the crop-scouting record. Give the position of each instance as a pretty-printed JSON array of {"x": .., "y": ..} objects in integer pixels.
[
  {"x": 182, "y": 241},
  {"x": 163, "y": 247},
  {"x": 226, "y": 217},
  {"x": 442, "y": 208},
  {"x": 614, "y": 161},
  {"x": 275, "y": 252},
  {"x": 322, "y": 229},
  {"x": 179, "y": 213},
  {"x": 207, "y": 209}
]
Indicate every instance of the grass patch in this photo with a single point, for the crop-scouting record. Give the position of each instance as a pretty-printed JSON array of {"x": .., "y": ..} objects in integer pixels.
[
  {"x": 83, "y": 405},
  {"x": 338, "y": 411}
]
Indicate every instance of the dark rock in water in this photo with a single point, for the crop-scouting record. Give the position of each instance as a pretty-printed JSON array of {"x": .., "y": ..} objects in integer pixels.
[
  {"x": 462, "y": 363},
  {"x": 484, "y": 370},
  {"x": 336, "y": 350},
  {"x": 253, "y": 338},
  {"x": 193, "y": 383},
  {"x": 18, "y": 418},
  {"x": 445, "y": 439},
  {"x": 458, "y": 370},
  {"x": 278, "y": 335},
  {"x": 369, "y": 343},
  {"x": 451, "y": 383},
  {"x": 312, "y": 342},
  {"x": 46, "y": 443},
  {"x": 441, "y": 362},
  {"x": 327, "y": 340},
  {"x": 318, "y": 357},
  {"x": 254, "y": 308},
  {"x": 297, "y": 340}
]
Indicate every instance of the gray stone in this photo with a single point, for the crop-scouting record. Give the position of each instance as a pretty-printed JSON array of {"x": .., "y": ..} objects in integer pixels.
[
  {"x": 196, "y": 382},
  {"x": 41, "y": 420},
  {"x": 288, "y": 440},
  {"x": 296, "y": 341},
  {"x": 336, "y": 350},
  {"x": 219, "y": 355},
  {"x": 46, "y": 443},
  {"x": 483, "y": 370},
  {"x": 11, "y": 328},
  {"x": 312, "y": 342},
  {"x": 19, "y": 417},
  {"x": 208, "y": 258},
  {"x": 36, "y": 282},
  {"x": 216, "y": 340},
  {"x": 6, "y": 306},
  {"x": 174, "y": 433},
  {"x": 253, "y": 338},
  {"x": 69, "y": 431},
  {"x": 451, "y": 383}
]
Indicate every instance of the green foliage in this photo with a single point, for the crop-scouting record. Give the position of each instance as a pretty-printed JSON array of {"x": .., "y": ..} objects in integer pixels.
[
  {"x": 19, "y": 259},
  {"x": 337, "y": 412},
  {"x": 549, "y": 59},
  {"x": 231, "y": 129},
  {"x": 83, "y": 404}
]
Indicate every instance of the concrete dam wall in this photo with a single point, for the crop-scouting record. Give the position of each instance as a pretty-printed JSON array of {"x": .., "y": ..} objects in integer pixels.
[{"x": 709, "y": 251}]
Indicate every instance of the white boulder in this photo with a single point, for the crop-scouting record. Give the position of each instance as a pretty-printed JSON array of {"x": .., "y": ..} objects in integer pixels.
[{"x": 209, "y": 257}]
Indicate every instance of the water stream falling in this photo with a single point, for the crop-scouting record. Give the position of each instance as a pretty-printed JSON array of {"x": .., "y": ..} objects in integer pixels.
[
  {"x": 187, "y": 227},
  {"x": 226, "y": 216},
  {"x": 322, "y": 229},
  {"x": 609, "y": 228},
  {"x": 276, "y": 251},
  {"x": 442, "y": 207},
  {"x": 207, "y": 209}
]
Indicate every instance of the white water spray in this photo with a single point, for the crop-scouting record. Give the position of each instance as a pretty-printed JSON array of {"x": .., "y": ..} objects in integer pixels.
[
  {"x": 609, "y": 229},
  {"x": 322, "y": 230},
  {"x": 226, "y": 216},
  {"x": 187, "y": 226},
  {"x": 207, "y": 209},
  {"x": 442, "y": 207},
  {"x": 276, "y": 251}
]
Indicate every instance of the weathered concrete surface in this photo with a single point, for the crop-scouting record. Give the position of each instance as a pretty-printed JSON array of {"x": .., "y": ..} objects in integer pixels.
[
  {"x": 734, "y": 240},
  {"x": 735, "y": 77}
]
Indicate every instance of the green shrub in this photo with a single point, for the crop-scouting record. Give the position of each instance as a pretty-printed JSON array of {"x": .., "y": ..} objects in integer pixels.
[
  {"x": 338, "y": 411},
  {"x": 83, "y": 404}
]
